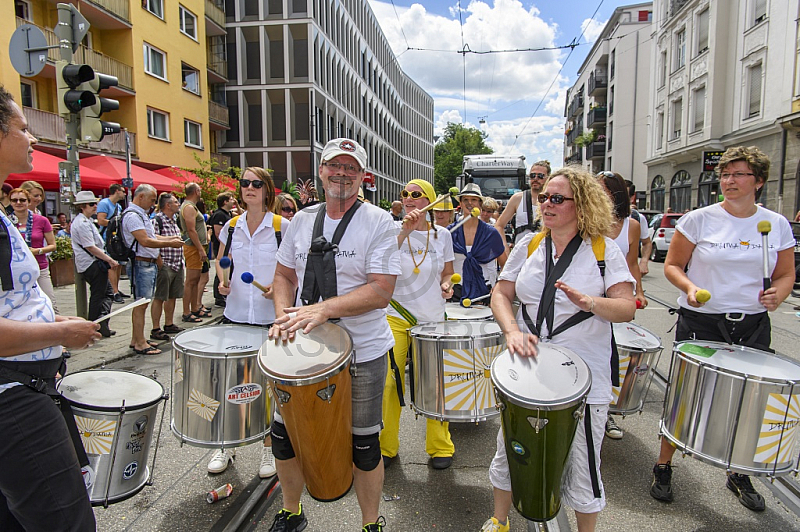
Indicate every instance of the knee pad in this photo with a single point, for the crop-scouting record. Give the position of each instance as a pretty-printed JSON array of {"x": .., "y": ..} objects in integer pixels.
[
  {"x": 366, "y": 451},
  {"x": 281, "y": 446}
]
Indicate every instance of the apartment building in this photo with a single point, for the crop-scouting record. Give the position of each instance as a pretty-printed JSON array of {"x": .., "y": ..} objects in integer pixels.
[
  {"x": 301, "y": 72},
  {"x": 607, "y": 106},
  {"x": 725, "y": 74}
]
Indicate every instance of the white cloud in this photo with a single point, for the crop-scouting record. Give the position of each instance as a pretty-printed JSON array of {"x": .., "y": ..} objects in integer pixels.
[{"x": 592, "y": 29}]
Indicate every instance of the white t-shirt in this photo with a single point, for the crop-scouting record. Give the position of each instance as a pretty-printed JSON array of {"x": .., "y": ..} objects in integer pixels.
[
  {"x": 489, "y": 269},
  {"x": 644, "y": 231},
  {"x": 255, "y": 254},
  {"x": 85, "y": 234},
  {"x": 726, "y": 259},
  {"x": 138, "y": 219},
  {"x": 622, "y": 237},
  {"x": 590, "y": 339},
  {"x": 522, "y": 214},
  {"x": 420, "y": 293},
  {"x": 368, "y": 246}
]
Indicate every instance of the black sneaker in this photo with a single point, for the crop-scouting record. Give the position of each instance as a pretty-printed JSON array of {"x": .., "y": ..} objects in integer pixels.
[
  {"x": 376, "y": 526},
  {"x": 118, "y": 298},
  {"x": 661, "y": 489},
  {"x": 743, "y": 488},
  {"x": 286, "y": 521},
  {"x": 123, "y": 294}
]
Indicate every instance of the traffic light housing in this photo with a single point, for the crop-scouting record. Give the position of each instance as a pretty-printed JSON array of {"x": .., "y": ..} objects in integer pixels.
[
  {"x": 92, "y": 128},
  {"x": 72, "y": 97}
]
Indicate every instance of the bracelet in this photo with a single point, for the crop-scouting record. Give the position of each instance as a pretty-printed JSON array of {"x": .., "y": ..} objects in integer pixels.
[{"x": 591, "y": 307}]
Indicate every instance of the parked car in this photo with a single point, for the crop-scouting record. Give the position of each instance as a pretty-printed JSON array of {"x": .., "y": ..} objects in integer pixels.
[
  {"x": 662, "y": 227},
  {"x": 796, "y": 233},
  {"x": 648, "y": 214}
]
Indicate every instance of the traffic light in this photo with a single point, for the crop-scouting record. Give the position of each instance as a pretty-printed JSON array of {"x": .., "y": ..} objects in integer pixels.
[
  {"x": 72, "y": 98},
  {"x": 79, "y": 89},
  {"x": 92, "y": 128}
]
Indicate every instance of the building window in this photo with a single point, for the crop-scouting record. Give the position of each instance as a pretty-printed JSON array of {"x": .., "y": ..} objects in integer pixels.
[
  {"x": 28, "y": 91},
  {"x": 759, "y": 11},
  {"x": 613, "y": 64},
  {"x": 680, "y": 190},
  {"x": 156, "y": 7},
  {"x": 699, "y": 103},
  {"x": 188, "y": 22},
  {"x": 190, "y": 79},
  {"x": 657, "y": 189},
  {"x": 680, "y": 49},
  {"x": 157, "y": 124},
  {"x": 677, "y": 112},
  {"x": 645, "y": 16},
  {"x": 609, "y": 135},
  {"x": 754, "y": 74},
  {"x": 611, "y": 102},
  {"x": 660, "y": 131},
  {"x": 662, "y": 70},
  {"x": 155, "y": 62},
  {"x": 192, "y": 134},
  {"x": 701, "y": 26},
  {"x": 707, "y": 189},
  {"x": 22, "y": 9}
]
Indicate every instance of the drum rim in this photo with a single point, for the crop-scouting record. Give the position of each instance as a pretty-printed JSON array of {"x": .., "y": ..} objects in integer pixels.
[
  {"x": 749, "y": 376},
  {"x": 454, "y": 336},
  {"x": 307, "y": 380},
  {"x": 127, "y": 407},
  {"x": 205, "y": 354},
  {"x": 660, "y": 343}
]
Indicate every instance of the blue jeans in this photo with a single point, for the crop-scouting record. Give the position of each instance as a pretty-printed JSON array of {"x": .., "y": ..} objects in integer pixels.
[{"x": 143, "y": 278}]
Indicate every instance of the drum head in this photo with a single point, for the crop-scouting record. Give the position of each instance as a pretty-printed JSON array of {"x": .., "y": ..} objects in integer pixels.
[
  {"x": 556, "y": 378},
  {"x": 456, "y": 329},
  {"x": 326, "y": 347},
  {"x": 455, "y": 311},
  {"x": 109, "y": 389},
  {"x": 635, "y": 336},
  {"x": 741, "y": 360},
  {"x": 221, "y": 340}
]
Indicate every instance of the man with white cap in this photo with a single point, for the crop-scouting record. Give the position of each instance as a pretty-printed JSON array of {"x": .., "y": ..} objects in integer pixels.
[
  {"x": 476, "y": 245},
  {"x": 340, "y": 258}
]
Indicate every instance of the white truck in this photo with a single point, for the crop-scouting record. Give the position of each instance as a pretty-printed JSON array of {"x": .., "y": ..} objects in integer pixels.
[{"x": 499, "y": 176}]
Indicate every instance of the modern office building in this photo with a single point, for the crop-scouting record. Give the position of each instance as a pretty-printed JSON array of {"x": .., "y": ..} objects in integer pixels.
[{"x": 302, "y": 72}]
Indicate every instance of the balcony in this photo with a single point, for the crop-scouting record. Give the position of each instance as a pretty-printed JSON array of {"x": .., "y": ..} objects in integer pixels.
[
  {"x": 596, "y": 150},
  {"x": 575, "y": 158},
  {"x": 218, "y": 116},
  {"x": 50, "y": 128},
  {"x": 223, "y": 162},
  {"x": 596, "y": 117},
  {"x": 575, "y": 106},
  {"x": 107, "y": 14},
  {"x": 215, "y": 18},
  {"x": 598, "y": 83},
  {"x": 217, "y": 65},
  {"x": 575, "y": 133}
]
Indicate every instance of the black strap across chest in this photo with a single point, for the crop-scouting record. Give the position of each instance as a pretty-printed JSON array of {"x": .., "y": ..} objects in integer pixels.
[{"x": 6, "y": 255}]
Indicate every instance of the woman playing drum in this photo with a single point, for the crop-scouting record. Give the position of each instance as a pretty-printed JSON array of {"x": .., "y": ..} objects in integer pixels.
[
  {"x": 419, "y": 296},
  {"x": 721, "y": 245},
  {"x": 575, "y": 212},
  {"x": 253, "y": 249}
]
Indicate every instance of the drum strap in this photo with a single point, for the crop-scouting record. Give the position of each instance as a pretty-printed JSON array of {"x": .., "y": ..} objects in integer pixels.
[
  {"x": 319, "y": 280},
  {"x": 396, "y": 372},
  {"x": 587, "y": 429},
  {"x": 547, "y": 309}
]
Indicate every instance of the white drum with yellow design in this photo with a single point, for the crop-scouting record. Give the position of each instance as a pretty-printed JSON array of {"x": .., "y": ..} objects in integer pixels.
[
  {"x": 450, "y": 378},
  {"x": 639, "y": 352}
]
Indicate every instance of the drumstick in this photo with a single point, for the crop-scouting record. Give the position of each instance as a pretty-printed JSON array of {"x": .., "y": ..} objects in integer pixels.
[
  {"x": 452, "y": 192},
  {"x": 468, "y": 302},
  {"x": 247, "y": 277},
  {"x": 225, "y": 264},
  {"x": 473, "y": 214},
  {"x": 129, "y": 306},
  {"x": 455, "y": 278},
  {"x": 764, "y": 227}
]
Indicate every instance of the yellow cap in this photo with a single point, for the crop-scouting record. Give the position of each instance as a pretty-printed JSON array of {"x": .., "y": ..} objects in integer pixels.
[
  {"x": 426, "y": 187},
  {"x": 446, "y": 205}
]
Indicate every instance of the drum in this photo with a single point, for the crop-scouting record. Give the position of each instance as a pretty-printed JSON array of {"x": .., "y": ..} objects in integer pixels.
[
  {"x": 733, "y": 407},
  {"x": 639, "y": 352},
  {"x": 456, "y": 312},
  {"x": 542, "y": 402},
  {"x": 219, "y": 398},
  {"x": 115, "y": 412},
  {"x": 310, "y": 379},
  {"x": 449, "y": 371}
]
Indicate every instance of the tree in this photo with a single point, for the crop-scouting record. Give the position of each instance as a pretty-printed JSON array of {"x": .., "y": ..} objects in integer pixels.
[
  {"x": 212, "y": 181},
  {"x": 449, "y": 152}
]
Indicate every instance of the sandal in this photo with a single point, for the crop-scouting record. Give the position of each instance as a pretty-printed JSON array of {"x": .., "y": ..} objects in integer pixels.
[
  {"x": 147, "y": 351},
  {"x": 191, "y": 318},
  {"x": 203, "y": 313},
  {"x": 149, "y": 342},
  {"x": 158, "y": 334},
  {"x": 173, "y": 329}
]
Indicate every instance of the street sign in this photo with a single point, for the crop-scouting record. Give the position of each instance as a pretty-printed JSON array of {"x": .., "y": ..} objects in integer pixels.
[
  {"x": 72, "y": 26},
  {"x": 28, "y": 50},
  {"x": 711, "y": 159}
]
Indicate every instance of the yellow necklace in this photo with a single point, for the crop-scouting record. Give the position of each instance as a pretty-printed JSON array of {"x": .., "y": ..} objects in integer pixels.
[{"x": 427, "y": 241}]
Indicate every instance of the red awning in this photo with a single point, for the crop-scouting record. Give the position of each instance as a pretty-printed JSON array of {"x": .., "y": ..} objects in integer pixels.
[
  {"x": 183, "y": 176},
  {"x": 45, "y": 172},
  {"x": 115, "y": 170}
]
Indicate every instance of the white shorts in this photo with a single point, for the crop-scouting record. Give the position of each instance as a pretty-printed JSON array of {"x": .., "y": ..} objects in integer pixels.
[{"x": 576, "y": 483}]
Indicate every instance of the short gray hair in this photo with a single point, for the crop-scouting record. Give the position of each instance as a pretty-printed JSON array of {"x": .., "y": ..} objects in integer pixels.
[{"x": 144, "y": 187}]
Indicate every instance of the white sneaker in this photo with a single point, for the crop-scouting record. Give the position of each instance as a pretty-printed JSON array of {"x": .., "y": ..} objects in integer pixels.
[
  {"x": 267, "y": 468},
  {"x": 219, "y": 462}
]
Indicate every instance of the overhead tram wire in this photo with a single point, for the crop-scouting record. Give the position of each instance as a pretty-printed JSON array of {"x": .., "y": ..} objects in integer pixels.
[
  {"x": 400, "y": 25},
  {"x": 463, "y": 61}
]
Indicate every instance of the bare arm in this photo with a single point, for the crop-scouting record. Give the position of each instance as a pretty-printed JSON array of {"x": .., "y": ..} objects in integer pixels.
[
  {"x": 190, "y": 213},
  {"x": 102, "y": 219},
  {"x": 508, "y": 212},
  {"x": 518, "y": 342},
  {"x": 680, "y": 251},
  {"x": 633, "y": 260},
  {"x": 647, "y": 248},
  {"x": 445, "y": 283},
  {"x": 164, "y": 242},
  {"x": 782, "y": 281},
  {"x": 21, "y": 337},
  {"x": 100, "y": 254},
  {"x": 617, "y": 306},
  {"x": 49, "y": 248}
]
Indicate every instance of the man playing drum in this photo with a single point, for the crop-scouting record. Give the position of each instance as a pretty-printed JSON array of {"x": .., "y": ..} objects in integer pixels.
[{"x": 358, "y": 268}]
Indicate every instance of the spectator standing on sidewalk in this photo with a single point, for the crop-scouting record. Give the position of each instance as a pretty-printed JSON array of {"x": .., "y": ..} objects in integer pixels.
[
  {"x": 217, "y": 220},
  {"x": 107, "y": 209},
  {"x": 195, "y": 252},
  {"x": 169, "y": 281}
]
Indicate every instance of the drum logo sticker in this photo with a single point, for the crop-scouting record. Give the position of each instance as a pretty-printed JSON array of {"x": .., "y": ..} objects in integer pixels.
[
  {"x": 776, "y": 440},
  {"x": 466, "y": 385},
  {"x": 202, "y": 405},
  {"x": 88, "y": 475},
  {"x": 178, "y": 371},
  {"x": 130, "y": 470},
  {"x": 137, "y": 437},
  {"x": 243, "y": 393},
  {"x": 96, "y": 434},
  {"x": 518, "y": 448}
]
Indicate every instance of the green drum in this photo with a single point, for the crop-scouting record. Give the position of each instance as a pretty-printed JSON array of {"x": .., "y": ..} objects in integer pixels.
[{"x": 542, "y": 401}]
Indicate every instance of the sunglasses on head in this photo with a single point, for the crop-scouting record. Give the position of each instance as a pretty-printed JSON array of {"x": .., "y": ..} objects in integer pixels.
[
  {"x": 555, "y": 199},
  {"x": 605, "y": 173},
  {"x": 536, "y": 175},
  {"x": 288, "y": 209},
  {"x": 415, "y": 194},
  {"x": 247, "y": 182}
]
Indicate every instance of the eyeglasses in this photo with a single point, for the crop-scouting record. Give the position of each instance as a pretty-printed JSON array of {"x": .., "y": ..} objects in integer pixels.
[
  {"x": 92, "y": 204},
  {"x": 736, "y": 175},
  {"x": 288, "y": 209},
  {"x": 247, "y": 182},
  {"x": 555, "y": 199},
  {"x": 415, "y": 194},
  {"x": 537, "y": 176},
  {"x": 349, "y": 169},
  {"x": 18, "y": 200}
]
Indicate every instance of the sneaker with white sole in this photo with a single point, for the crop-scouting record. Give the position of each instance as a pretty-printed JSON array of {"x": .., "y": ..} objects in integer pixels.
[
  {"x": 219, "y": 462},
  {"x": 267, "y": 468},
  {"x": 493, "y": 525},
  {"x": 612, "y": 429}
]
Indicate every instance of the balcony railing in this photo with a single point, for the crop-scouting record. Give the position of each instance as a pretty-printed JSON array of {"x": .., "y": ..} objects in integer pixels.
[
  {"x": 597, "y": 82},
  {"x": 596, "y": 116},
  {"x": 575, "y": 158},
  {"x": 120, "y": 8},
  {"x": 596, "y": 150},
  {"x": 218, "y": 113},
  {"x": 575, "y": 133},
  {"x": 50, "y": 127},
  {"x": 218, "y": 64},
  {"x": 575, "y": 106},
  {"x": 215, "y": 13}
]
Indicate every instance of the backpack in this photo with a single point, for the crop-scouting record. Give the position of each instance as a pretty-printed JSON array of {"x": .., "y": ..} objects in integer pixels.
[{"x": 115, "y": 245}]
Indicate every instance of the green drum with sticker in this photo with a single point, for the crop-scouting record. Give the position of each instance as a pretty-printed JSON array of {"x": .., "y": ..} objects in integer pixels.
[{"x": 542, "y": 402}]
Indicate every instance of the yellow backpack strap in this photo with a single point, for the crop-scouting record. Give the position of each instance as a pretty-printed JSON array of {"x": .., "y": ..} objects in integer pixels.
[
  {"x": 276, "y": 225},
  {"x": 234, "y": 220},
  {"x": 599, "y": 249},
  {"x": 534, "y": 243}
]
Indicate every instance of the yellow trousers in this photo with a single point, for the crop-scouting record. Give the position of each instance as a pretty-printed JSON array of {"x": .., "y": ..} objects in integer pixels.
[{"x": 437, "y": 436}]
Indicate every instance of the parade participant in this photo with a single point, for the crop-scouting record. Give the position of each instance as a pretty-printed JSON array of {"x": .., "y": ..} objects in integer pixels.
[
  {"x": 286, "y": 206},
  {"x": 426, "y": 259},
  {"x": 251, "y": 242},
  {"x": 91, "y": 261},
  {"x": 107, "y": 209},
  {"x": 38, "y": 234},
  {"x": 645, "y": 242},
  {"x": 215, "y": 223},
  {"x": 713, "y": 243},
  {"x": 366, "y": 267},
  {"x": 443, "y": 213},
  {"x": 36, "y": 436},
  {"x": 476, "y": 246},
  {"x": 195, "y": 249},
  {"x": 169, "y": 279},
  {"x": 524, "y": 205},
  {"x": 575, "y": 211}
]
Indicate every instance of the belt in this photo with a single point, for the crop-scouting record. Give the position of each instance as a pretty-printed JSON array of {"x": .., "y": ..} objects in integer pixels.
[{"x": 146, "y": 259}]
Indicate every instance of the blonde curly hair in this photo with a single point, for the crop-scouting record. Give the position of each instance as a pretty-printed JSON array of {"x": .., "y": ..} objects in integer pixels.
[{"x": 593, "y": 207}]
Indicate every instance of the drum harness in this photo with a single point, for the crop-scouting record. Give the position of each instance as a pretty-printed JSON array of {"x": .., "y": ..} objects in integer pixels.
[
  {"x": 527, "y": 207},
  {"x": 276, "y": 225}
]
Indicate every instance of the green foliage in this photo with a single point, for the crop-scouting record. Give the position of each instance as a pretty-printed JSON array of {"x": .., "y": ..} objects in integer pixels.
[
  {"x": 585, "y": 138},
  {"x": 212, "y": 181},
  {"x": 449, "y": 152},
  {"x": 63, "y": 248},
  {"x": 291, "y": 189},
  {"x": 385, "y": 204}
]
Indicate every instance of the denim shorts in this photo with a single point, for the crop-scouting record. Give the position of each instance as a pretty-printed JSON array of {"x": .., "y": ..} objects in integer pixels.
[{"x": 143, "y": 278}]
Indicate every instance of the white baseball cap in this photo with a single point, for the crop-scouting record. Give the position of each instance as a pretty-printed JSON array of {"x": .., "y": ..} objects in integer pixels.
[{"x": 342, "y": 146}]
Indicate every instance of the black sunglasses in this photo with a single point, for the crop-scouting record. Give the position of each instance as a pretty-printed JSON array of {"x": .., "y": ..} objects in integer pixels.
[
  {"x": 18, "y": 200},
  {"x": 244, "y": 183},
  {"x": 415, "y": 194},
  {"x": 555, "y": 199},
  {"x": 288, "y": 209},
  {"x": 537, "y": 176},
  {"x": 92, "y": 204}
]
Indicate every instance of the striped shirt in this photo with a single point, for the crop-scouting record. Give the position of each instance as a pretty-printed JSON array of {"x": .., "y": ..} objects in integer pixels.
[{"x": 166, "y": 226}]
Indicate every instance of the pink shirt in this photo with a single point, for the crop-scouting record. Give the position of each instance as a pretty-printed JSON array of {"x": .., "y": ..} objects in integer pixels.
[{"x": 41, "y": 225}]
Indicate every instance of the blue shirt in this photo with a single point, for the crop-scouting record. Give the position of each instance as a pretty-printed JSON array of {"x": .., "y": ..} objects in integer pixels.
[{"x": 110, "y": 208}]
